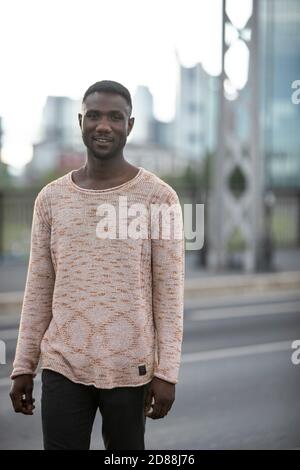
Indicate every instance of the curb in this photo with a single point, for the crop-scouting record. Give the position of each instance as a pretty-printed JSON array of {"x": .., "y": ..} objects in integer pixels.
[{"x": 240, "y": 284}]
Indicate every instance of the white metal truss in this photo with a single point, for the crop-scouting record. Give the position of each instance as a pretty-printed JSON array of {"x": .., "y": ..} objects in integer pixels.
[{"x": 228, "y": 213}]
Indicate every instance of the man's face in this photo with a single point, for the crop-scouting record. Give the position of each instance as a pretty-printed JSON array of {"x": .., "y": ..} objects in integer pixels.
[{"x": 105, "y": 123}]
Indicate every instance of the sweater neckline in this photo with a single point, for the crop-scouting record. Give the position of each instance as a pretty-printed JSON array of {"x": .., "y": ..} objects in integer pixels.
[{"x": 113, "y": 188}]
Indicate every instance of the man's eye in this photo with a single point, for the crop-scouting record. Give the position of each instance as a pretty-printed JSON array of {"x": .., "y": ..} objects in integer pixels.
[{"x": 116, "y": 117}]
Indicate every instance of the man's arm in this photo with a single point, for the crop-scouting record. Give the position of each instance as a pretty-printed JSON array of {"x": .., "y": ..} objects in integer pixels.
[
  {"x": 168, "y": 266},
  {"x": 37, "y": 303}
]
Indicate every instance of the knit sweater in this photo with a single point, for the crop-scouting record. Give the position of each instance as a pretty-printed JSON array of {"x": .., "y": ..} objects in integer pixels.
[{"x": 102, "y": 311}]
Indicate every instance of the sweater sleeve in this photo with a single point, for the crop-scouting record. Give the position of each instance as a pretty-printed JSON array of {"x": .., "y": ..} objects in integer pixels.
[
  {"x": 37, "y": 302},
  {"x": 168, "y": 266}
]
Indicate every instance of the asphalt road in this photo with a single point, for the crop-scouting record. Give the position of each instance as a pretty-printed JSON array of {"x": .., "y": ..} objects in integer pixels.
[{"x": 238, "y": 387}]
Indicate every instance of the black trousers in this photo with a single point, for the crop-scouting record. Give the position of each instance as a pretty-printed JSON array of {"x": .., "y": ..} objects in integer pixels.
[{"x": 69, "y": 410}]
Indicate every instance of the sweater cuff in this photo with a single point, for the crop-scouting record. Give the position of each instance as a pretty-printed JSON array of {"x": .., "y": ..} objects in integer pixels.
[
  {"x": 17, "y": 373},
  {"x": 164, "y": 377}
]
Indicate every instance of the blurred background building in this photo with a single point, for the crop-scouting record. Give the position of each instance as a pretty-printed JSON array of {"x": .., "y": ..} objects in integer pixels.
[
  {"x": 196, "y": 113},
  {"x": 280, "y": 67},
  {"x": 60, "y": 146}
]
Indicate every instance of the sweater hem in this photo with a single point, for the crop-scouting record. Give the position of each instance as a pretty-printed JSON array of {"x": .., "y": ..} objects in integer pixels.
[{"x": 74, "y": 380}]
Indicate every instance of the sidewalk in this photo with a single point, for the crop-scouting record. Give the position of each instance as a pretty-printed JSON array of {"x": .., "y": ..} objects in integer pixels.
[
  {"x": 199, "y": 282},
  {"x": 285, "y": 260}
]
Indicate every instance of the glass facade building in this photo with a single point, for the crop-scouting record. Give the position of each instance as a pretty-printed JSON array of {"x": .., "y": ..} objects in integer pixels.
[{"x": 280, "y": 67}]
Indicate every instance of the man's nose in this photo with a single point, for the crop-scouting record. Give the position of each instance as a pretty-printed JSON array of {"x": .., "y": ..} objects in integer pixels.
[{"x": 103, "y": 124}]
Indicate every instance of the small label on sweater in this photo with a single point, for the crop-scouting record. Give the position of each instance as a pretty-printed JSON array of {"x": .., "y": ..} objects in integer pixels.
[{"x": 142, "y": 370}]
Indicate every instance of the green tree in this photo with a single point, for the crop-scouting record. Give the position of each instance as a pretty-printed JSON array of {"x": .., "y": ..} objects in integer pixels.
[{"x": 6, "y": 180}]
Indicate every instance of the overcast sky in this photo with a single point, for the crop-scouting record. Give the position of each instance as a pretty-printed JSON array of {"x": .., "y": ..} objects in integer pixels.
[{"x": 60, "y": 47}]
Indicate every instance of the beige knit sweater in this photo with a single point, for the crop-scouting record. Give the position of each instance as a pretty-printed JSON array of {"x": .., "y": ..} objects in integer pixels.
[{"x": 102, "y": 312}]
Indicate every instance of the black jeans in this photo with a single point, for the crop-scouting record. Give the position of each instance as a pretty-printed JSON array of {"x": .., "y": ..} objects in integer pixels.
[{"x": 69, "y": 410}]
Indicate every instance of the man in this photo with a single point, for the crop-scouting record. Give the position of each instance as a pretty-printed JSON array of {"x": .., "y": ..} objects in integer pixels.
[{"x": 102, "y": 310}]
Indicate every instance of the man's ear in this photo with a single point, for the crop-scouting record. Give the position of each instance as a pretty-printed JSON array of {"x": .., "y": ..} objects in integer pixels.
[
  {"x": 80, "y": 119},
  {"x": 130, "y": 125}
]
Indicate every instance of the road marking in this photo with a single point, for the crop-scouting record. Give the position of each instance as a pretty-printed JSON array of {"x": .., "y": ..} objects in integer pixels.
[
  {"x": 237, "y": 352},
  {"x": 234, "y": 311},
  {"x": 219, "y": 313}
]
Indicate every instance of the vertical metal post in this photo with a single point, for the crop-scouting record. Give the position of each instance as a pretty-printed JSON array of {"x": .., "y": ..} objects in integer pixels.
[
  {"x": 228, "y": 213},
  {"x": 216, "y": 253}
]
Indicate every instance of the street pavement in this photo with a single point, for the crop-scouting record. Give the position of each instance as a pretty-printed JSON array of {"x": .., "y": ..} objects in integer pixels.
[{"x": 238, "y": 387}]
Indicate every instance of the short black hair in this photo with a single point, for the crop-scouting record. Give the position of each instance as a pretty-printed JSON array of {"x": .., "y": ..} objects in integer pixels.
[{"x": 109, "y": 86}]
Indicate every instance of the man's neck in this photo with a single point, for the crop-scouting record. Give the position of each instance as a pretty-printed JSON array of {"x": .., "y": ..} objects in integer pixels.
[
  {"x": 99, "y": 174},
  {"x": 105, "y": 170}
]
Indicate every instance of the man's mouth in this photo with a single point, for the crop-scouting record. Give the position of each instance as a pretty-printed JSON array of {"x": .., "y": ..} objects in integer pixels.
[{"x": 102, "y": 140}]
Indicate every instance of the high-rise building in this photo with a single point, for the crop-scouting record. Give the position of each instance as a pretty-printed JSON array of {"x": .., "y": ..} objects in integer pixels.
[
  {"x": 59, "y": 120},
  {"x": 143, "y": 112},
  {"x": 280, "y": 68},
  {"x": 196, "y": 106},
  {"x": 60, "y": 146}
]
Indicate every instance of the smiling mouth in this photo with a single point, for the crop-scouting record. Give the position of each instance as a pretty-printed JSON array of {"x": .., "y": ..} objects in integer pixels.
[{"x": 102, "y": 141}]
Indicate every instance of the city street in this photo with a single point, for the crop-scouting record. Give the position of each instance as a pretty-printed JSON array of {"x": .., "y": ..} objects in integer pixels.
[
  {"x": 163, "y": 176},
  {"x": 238, "y": 387}
]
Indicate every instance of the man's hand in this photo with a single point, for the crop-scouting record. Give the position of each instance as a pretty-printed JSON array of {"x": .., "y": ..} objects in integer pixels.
[
  {"x": 21, "y": 394},
  {"x": 163, "y": 395}
]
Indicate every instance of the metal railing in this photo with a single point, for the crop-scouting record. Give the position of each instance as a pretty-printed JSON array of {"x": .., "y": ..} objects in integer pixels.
[{"x": 16, "y": 208}]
